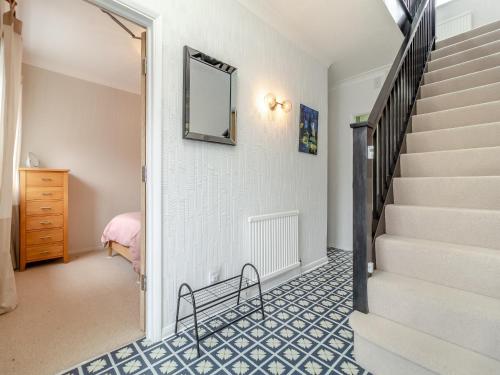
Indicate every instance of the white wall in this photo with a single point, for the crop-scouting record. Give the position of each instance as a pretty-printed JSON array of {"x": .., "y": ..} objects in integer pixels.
[
  {"x": 210, "y": 190},
  {"x": 93, "y": 130},
  {"x": 346, "y": 99},
  {"x": 483, "y": 11}
]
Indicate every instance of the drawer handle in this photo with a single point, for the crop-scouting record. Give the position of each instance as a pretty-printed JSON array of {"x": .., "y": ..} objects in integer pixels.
[
  {"x": 46, "y": 208},
  {"x": 44, "y": 252},
  {"x": 45, "y": 222},
  {"x": 46, "y": 237},
  {"x": 46, "y": 179},
  {"x": 46, "y": 194}
]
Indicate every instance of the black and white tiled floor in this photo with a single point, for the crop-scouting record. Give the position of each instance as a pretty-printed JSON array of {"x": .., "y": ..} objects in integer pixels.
[{"x": 306, "y": 331}]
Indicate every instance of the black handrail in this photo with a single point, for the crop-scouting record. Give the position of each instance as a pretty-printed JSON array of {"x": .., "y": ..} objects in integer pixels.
[
  {"x": 406, "y": 5},
  {"x": 377, "y": 142}
]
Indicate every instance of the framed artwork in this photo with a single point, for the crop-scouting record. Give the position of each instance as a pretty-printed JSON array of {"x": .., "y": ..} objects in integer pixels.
[{"x": 308, "y": 130}]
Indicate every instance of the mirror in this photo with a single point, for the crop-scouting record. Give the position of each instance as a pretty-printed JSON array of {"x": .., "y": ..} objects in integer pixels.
[{"x": 209, "y": 98}]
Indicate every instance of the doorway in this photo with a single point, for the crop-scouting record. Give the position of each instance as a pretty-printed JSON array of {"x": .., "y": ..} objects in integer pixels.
[
  {"x": 151, "y": 20},
  {"x": 150, "y": 168}
]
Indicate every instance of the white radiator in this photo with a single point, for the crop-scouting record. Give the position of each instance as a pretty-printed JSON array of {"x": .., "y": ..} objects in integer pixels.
[
  {"x": 454, "y": 26},
  {"x": 274, "y": 243}
]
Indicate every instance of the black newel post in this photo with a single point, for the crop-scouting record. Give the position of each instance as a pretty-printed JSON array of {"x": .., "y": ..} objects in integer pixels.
[{"x": 363, "y": 155}]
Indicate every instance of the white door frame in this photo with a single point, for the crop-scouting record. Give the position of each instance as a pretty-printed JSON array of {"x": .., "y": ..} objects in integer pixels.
[{"x": 151, "y": 20}]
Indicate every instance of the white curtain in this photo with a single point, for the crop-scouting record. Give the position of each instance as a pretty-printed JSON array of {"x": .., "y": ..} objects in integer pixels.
[
  {"x": 14, "y": 236},
  {"x": 10, "y": 99}
]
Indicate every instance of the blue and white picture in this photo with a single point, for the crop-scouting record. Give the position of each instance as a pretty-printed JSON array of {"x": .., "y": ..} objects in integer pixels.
[{"x": 308, "y": 132}]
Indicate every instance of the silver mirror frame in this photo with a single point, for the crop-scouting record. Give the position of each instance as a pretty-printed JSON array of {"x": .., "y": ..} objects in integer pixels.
[{"x": 191, "y": 53}]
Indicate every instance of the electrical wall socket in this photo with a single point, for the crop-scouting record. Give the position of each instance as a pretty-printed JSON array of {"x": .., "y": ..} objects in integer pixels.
[{"x": 213, "y": 277}]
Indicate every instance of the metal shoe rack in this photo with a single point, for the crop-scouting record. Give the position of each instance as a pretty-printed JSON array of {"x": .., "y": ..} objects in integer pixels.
[{"x": 212, "y": 301}]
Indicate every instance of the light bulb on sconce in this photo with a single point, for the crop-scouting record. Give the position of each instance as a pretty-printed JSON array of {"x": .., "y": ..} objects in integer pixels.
[
  {"x": 286, "y": 106},
  {"x": 272, "y": 103}
]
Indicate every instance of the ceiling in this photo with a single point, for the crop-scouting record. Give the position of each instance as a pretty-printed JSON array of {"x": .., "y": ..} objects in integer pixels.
[
  {"x": 75, "y": 38},
  {"x": 353, "y": 35}
]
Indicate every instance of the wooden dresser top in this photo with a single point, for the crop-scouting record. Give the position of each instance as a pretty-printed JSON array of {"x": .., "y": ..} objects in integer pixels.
[{"x": 44, "y": 170}]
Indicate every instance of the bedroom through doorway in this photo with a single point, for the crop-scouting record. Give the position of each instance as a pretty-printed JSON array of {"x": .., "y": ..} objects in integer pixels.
[{"x": 81, "y": 230}]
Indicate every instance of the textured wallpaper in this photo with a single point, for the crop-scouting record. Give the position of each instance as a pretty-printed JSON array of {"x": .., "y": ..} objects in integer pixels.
[{"x": 210, "y": 190}]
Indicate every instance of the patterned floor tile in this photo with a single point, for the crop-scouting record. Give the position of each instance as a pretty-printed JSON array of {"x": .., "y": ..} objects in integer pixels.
[
  {"x": 124, "y": 353},
  {"x": 97, "y": 365},
  {"x": 305, "y": 331},
  {"x": 169, "y": 365},
  {"x": 241, "y": 366},
  {"x": 134, "y": 365}
]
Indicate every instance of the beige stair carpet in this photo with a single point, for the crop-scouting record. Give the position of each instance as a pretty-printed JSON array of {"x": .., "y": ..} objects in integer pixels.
[
  {"x": 463, "y": 82},
  {"x": 458, "y": 70},
  {"x": 434, "y": 299}
]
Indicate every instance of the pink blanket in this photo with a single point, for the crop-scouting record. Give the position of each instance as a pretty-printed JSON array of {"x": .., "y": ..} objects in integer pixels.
[{"x": 126, "y": 229}]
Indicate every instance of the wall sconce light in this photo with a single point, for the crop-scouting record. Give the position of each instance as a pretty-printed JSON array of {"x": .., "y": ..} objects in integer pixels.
[{"x": 272, "y": 103}]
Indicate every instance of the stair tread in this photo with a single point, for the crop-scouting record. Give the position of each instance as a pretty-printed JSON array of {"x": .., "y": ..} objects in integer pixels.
[
  {"x": 477, "y": 31},
  {"x": 475, "y": 192},
  {"x": 458, "y": 128},
  {"x": 462, "y": 150},
  {"x": 456, "y": 117},
  {"x": 462, "y": 137},
  {"x": 464, "y": 318},
  {"x": 463, "y": 79},
  {"x": 460, "y": 108},
  {"x": 432, "y": 353},
  {"x": 477, "y": 40},
  {"x": 464, "y": 56},
  {"x": 465, "y": 226},
  {"x": 493, "y": 42},
  {"x": 497, "y": 212},
  {"x": 441, "y": 244},
  {"x": 458, "y": 99},
  {"x": 456, "y": 299},
  {"x": 471, "y": 66},
  {"x": 460, "y": 92},
  {"x": 469, "y": 268}
]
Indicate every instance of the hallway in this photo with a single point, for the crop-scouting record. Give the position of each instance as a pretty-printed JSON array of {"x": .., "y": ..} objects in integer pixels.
[{"x": 306, "y": 331}]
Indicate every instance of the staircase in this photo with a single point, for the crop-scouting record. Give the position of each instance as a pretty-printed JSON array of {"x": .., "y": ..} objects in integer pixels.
[{"x": 434, "y": 300}]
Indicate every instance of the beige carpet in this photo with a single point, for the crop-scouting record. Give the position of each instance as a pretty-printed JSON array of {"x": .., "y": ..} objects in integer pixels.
[{"x": 68, "y": 313}]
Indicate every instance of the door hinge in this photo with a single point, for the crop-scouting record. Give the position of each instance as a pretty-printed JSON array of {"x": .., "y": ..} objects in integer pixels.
[
  {"x": 144, "y": 173},
  {"x": 144, "y": 66},
  {"x": 143, "y": 283}
]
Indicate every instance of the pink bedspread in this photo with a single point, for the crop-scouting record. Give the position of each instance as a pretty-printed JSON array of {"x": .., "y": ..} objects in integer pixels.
[{"x": 126, "y": 229}]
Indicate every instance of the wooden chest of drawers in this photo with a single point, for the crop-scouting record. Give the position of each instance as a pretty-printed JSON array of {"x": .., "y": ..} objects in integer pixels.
[{"x": 43, "y": 215}]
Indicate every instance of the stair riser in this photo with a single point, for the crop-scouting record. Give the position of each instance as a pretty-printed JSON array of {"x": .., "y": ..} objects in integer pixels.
[
  {"x": 461, "y": 57},
  {"x": 472, "y": 269},
  {"x": 474, "y": 136},
  {"x": 468, "y": 81},
  {"x": 473, "y": 115},
  {"x": 454, "y": 192},
  {"x": 481, "y": 64},
  {"x": 467, "y": 328},
  {"x": 473, "y": 162},
  {"x": 478, "y": 95},
  {"x": 468, "y": 35},
  {"x": 462, "y": 227},
  {"x": 467, "y": 44},
  {"x": 380, "y": 361},
  {"x": 386, "y": 348}
]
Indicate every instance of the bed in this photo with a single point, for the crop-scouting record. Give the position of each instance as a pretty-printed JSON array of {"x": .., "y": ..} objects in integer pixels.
[{"x": 122, "y": 236}]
